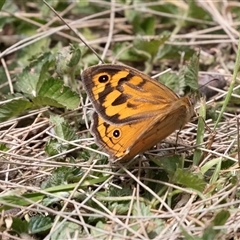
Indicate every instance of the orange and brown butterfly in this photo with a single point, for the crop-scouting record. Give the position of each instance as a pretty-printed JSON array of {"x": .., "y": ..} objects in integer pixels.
[{"x": 133, "y": 112}]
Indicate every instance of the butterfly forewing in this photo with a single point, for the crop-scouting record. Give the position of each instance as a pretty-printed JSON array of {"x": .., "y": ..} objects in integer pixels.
[{"x": 122, "y": 95}]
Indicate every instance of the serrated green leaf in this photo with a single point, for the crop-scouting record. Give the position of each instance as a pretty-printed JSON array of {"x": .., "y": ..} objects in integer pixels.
[
  {"x": 119, "y": 208},
  {"x": 155, "y": 225},
  {"x": 190, "y": 180},
  {"x": 54, "y": 90},
  {"x": 46, "y": 101},
  {"x": 173, "y": 81},
  {"x": 63, "y": 129},
  {"x": 191, "y": 75},
  {"x": 34, "y": 49},
  {"x": 46, "y": 63},
  {"x": 100, "y": 225},
  {"x": 148, "y": 25},
  {"x": 39, "y": 224},
  {"x": 27, "y": 82},
  {"x": 13, "y": 108},
  {"x": 54, "y": 147}
]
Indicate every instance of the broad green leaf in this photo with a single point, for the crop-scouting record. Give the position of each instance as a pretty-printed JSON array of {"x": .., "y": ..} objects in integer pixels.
[
  {"x": 27, "y": 82},
  {"x": 40, "y": 224},
  {"x": 54, "y": 90},
  {"x": 209, "y": 234},
  {"x": 46, "y": 101},
  {"x": 173, "y": 81},
  {"x": 195, "y": 11},
  {"x": 33, "y": 50},
  {"x": 13, "y": 108},
  {"x": 221, "y": 218},
  {"x": 20, "y": 226},
  {"x": 190, "y": 180}
]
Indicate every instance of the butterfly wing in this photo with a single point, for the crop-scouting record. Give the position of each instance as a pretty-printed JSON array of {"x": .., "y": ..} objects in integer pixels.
[
  {"x": 121, "y": 94},
  {"x": 126, "y": 141},
  {"x": 133, "y": 111}
]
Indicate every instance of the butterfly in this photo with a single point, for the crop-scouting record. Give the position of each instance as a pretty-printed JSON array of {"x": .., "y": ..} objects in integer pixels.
[{"x": 133, "y": 112}]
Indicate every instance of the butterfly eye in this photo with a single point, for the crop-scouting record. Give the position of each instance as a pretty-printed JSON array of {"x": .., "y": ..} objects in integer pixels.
[
  {"x": 116, "y": 133},
  {"x": 103, "y": 78}
]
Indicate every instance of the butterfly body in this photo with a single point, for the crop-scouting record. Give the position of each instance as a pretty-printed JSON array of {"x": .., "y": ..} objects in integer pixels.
[{"x": 133, "y": 111}]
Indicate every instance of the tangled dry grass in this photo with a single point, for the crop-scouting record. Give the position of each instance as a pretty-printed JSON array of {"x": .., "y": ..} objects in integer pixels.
[{"x": 82, "y": 194}]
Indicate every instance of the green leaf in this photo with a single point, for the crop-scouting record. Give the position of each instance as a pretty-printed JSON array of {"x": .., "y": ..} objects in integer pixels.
[
  {"x": 63, "y": 129},
  {"x": 27, "y": 82},
  {"x": 169, "y": 164},
  {"x": 150, "y": 46},
  {"x": 174, "y": 52},
  {"x": 54, "y": 90},
  {"x": 45, "y": 62},
  {"x": 190, "y": 180},
  {"x": 54, "y": 147},
  {"x": 76, "y": 56},
  {"x": 148, "y": 26},
  {"x": 46, "y": 101},
  {"x": 19, "y": 225},
  {"x": 221, "y": 218},
  {"x": 3, "y": 147},
  {"x": 2, "y": 3},
  {"x": 14, "y": 108},
  {"x": 174, "y": 82},
  {"x": 209, "y": 234},
  {"x": 67, "y": 229},
  {"x": 40, "y": 224},
  {"x": 62, "y": 175},
  {"x": 33, "y": 76},
  {"x": 9, "y": 6},
  {"x": 191, "y": 73},
  {"x": 155, "y": 225},
  {"x": 195, "y": 11},
  {"x": 34, "y": 49}
]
